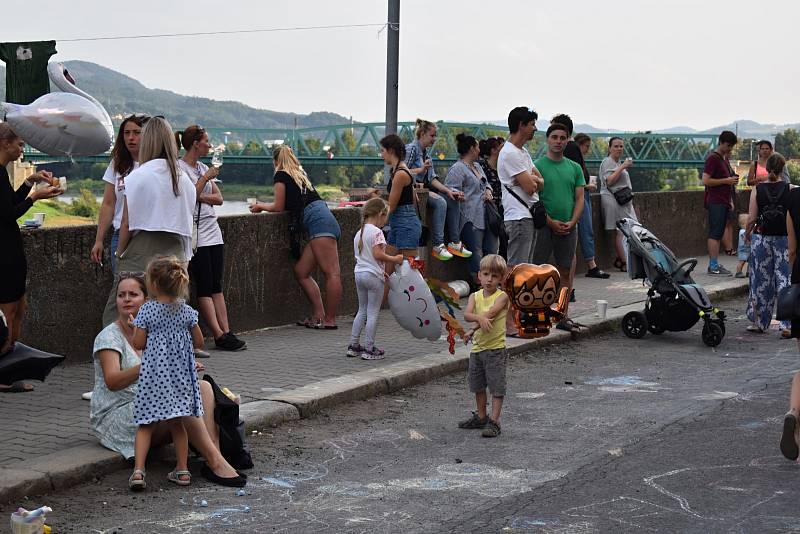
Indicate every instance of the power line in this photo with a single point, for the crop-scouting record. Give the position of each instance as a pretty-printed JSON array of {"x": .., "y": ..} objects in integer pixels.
[{"x": 230, "y": 32}]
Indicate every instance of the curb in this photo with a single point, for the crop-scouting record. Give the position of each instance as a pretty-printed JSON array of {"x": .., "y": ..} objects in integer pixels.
[{"x": 75, "y": 465}]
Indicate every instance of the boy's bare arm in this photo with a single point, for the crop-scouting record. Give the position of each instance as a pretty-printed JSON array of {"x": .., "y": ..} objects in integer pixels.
[{"x": 499, "y": 305}]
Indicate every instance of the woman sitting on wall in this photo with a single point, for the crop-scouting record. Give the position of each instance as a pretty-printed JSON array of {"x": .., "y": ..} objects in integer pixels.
[
  {"x": 208, "y": 261},
  {"x": 13, "y": 266},
  {"x": 310, "y": 215}
]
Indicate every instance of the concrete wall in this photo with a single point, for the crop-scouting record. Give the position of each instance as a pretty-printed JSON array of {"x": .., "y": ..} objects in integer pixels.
[{"x": 66, "y": 292}]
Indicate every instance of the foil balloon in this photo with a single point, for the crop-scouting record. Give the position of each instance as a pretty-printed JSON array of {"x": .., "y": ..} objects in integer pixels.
[
  {"x": 412, "y": 303},
  {"x": 68, "y": 123},
  {"x": 533, "y": 290}
]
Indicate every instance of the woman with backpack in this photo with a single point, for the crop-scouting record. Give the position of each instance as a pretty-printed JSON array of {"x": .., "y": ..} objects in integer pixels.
[{"x": 769, "y": 248}]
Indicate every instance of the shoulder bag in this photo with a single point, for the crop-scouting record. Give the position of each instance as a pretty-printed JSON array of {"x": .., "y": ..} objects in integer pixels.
[
  {"x": 623, "y": 196},
  {"x": 788, "y": 303},
  {"x": 537, "y": 209}
]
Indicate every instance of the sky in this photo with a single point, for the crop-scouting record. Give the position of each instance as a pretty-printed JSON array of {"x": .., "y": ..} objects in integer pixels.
[{"x": 624, "y": 64}]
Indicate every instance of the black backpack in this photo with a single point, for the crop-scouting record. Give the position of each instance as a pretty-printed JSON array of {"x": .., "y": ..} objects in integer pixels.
[
  {"x": 231, "y": 429},
  {"x": 772, "y": 219}
]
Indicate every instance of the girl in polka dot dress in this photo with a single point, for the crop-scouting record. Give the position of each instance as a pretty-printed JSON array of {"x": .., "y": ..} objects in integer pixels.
[{"x": 166, "y": 328}]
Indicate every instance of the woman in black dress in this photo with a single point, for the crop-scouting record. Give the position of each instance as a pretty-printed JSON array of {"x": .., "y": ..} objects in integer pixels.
[{"x": 13, "y": 267}]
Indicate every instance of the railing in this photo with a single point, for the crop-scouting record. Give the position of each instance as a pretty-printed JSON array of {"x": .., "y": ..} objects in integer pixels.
[{"x": 358, "y": 144}]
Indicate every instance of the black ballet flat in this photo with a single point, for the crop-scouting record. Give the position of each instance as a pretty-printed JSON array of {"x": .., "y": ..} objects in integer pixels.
[{"x": 231, "y": 482}]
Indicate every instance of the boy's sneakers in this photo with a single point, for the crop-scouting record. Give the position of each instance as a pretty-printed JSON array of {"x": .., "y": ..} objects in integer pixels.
[
  {"x": 440, "y": 253},
  {"x": 229, "y": 341},
  {"x": 474, "y": 422},
  {"x": 740, "y": 274},
  {"x": 458, "y": 249},
  {"x": 373, "y": 354},
  {"x": 354, "y": 351},
  {"x": 492, "y": 430},
  {"x": 719, "y": 270}
]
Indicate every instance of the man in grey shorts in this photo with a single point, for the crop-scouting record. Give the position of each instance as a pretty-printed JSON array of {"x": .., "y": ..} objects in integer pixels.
[
  {"x": 519, "y": 177},
  {"x": 562, "y": 196}
]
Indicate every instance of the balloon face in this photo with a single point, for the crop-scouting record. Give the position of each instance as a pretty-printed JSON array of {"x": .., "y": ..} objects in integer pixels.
[
  {"x": 531, "y": 287},
  {"x": 412, "y": 303},
  {"x": 61, "y": 124}
]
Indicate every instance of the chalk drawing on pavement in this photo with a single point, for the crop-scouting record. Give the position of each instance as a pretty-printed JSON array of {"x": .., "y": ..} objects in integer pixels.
[{"x": 529, "y": 395}]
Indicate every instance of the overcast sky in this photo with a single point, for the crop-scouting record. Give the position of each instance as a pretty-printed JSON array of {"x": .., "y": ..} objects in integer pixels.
[{"x": 627, "y": 64}]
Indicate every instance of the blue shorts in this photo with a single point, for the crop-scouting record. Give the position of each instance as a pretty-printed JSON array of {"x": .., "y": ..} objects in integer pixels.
[
  {"x": 717, "y": 219},
  {"x": 405, "y": 228},
  {"x": 318, "y": 221}
]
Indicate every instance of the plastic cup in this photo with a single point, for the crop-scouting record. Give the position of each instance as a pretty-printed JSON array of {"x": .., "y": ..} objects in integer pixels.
[
  {"x": 39, "y": 218},
  {"x": 19, "y": 526},
  {"x": 251, "y": 200},
  {"x": 602, "y": 308}
]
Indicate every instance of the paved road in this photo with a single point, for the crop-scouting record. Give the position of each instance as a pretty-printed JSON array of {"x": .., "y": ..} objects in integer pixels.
[
  {"x": 278, "y": 359},
  {"x": 603, "y": 435}
]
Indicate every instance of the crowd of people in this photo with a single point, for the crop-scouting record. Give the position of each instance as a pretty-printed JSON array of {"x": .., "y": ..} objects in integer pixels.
[{"x": 496, "y": 208}]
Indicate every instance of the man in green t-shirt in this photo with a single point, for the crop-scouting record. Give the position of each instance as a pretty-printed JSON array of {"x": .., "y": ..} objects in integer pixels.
[
  {"x": 26, "y": 70},
  {"x": 562, "y": 195}
]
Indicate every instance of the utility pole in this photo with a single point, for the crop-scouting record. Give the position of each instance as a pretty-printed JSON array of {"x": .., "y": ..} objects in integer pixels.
[{"x": 392, "y": 65}]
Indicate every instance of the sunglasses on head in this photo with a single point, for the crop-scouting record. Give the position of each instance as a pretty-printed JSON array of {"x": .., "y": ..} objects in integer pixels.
[{"x": 124, "y": 275}]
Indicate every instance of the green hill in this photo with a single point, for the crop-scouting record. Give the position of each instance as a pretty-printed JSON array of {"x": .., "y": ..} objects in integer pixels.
[{"x": 122, "y": 95}]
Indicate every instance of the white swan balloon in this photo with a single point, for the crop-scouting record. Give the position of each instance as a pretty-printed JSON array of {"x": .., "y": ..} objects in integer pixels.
[{"x": 69, "y": 123}]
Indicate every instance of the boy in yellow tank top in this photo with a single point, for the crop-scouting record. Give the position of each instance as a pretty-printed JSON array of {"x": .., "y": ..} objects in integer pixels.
[{"x": 488, "y": 307}]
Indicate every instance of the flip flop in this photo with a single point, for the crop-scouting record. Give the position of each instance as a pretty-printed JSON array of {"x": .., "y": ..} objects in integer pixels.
[
  {"x": 331, "y": 327},
  {"x": 788, "y": 444},
  {"x": 316, "y": 325},
  {"x": 16, "y": 387},
  {"x": 514, "y": 334},
  {"x": 305, "y": 322}
]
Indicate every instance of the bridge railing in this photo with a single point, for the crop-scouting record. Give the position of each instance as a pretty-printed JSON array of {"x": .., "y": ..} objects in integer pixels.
[{"x": 358, "y": 144}]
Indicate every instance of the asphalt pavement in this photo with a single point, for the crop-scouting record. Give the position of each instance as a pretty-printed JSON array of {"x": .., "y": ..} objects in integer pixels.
[{"x": 605, "y": 434}]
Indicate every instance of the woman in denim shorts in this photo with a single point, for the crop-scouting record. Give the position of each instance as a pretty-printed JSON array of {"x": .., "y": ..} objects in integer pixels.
[
  {"x": 405, "y": 227},
  {"x": 295, "y": 193}
]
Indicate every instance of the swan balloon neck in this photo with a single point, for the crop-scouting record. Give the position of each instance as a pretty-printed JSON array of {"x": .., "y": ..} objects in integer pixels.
[{"x": 61, "y": 79}]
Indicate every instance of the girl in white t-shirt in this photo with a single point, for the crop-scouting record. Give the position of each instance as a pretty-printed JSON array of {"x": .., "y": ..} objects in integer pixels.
[{"x": 370, "y": 249}]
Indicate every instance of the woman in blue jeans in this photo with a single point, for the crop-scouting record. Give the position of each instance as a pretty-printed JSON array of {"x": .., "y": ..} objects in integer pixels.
[
  {"x": 405, "y": 227},
  {"x": 294, "y": 193},
  {"x": 420, "y": 166},
  {"x": 466, "y": 220}
]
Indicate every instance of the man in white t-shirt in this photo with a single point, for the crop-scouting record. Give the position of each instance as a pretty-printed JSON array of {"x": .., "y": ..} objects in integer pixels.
[
  {"x": 519, "y": 177},
  {"x": 520, "y": 181}
]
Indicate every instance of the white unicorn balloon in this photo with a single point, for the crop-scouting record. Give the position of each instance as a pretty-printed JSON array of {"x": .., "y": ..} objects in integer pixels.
[
  {"x": 70, "y": 123},
  {"x": 412, "y": 303}
]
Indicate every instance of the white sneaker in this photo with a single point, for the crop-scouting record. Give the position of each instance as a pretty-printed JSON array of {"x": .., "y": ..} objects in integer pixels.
[
  {"x": 440, "y": 253},
  {"x": 87, "y": 395},
  {"x": 458, "y": 249}
]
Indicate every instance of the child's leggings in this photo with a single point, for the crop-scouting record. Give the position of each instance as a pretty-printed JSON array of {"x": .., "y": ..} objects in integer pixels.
[{"x": 370, "y": 295}]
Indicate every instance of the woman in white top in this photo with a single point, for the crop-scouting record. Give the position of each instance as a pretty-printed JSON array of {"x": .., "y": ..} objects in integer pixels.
[
  {"x": 208, "y": 262},
  {"x": 157, "y": 211},
  {"x": 613, "y": 177},
  {"x": 124, "y": 159}
]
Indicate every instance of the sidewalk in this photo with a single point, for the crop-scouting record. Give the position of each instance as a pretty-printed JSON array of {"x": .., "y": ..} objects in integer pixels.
[{"x": 46, "y": 440}]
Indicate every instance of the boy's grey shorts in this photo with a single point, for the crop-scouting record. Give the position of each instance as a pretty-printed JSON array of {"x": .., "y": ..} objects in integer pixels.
[{"x": 488, "y": 368}]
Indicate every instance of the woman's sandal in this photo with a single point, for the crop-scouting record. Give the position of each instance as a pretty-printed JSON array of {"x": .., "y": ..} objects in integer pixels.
[
  {"x": 137, "y": 484},
  {"x": 307, "y": 322},
  {"x": 753, "y": 329},
  {"x": 621, "y": 265},
  {"x": 786, "y": 333},
  {"x": 181, "y": 478}
]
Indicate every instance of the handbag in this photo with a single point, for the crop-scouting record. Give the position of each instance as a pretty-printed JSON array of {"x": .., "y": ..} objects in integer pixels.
[
  {"x": 623, "y": 196},
  {"x": 537, "y": 209},
  {"x": 492, "y": 217},
  {"x": 425, "y": 233},
  {"x": 788, "y": 303}
]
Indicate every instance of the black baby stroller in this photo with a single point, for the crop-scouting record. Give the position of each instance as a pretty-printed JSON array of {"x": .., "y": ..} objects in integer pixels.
[{"x": 674, "y": 301}]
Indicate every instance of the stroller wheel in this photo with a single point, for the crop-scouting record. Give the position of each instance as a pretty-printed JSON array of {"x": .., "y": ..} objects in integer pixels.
[
  {"x": 712, "y": 334},
  {"x": 656, "y": 328},
  {"x": 634, "y": 324}
]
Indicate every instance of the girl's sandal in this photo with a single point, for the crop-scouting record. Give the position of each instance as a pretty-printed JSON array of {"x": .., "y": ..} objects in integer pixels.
[
  {"x": 137, "y": 484},
  {"x": 181, "y": 478}
]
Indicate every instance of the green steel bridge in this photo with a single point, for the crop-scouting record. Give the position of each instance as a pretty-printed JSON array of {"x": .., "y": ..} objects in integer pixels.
[{"x": 357, "y": 144}]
